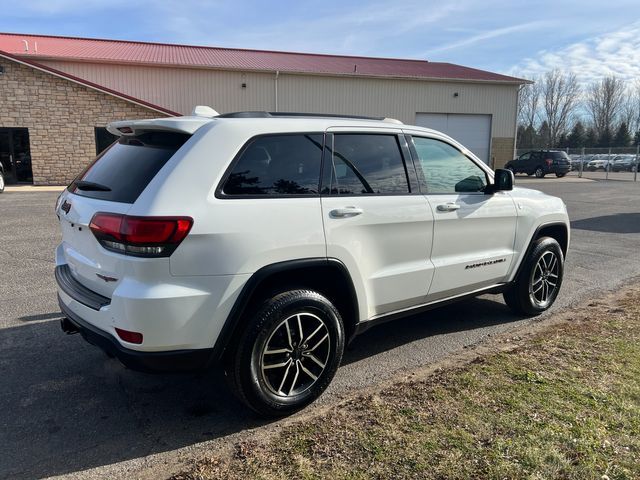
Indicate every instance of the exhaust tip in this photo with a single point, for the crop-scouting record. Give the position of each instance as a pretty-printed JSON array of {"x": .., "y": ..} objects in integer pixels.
[{"x": 67, "y": 326}]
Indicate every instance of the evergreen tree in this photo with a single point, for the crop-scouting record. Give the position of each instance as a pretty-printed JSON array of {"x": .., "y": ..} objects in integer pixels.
[
  {"x": 578, "y": 136},
  {"x": 622, "y": 137},
  {"x": 520, "y": 138},
  {"x": 562, "y": 141},
  {"x": 606, "y": 138},
  {"x": 543, "y": 135},
  {"x": 591, "y": 138},
  {"x": 531, "y": 137}
]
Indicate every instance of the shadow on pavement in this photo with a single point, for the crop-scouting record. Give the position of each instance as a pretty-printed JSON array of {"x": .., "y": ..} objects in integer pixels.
[
  {"x": 458, "y": 317},
  {"x": 618, "y": 223},
  {"x": 67, "y": 407}
]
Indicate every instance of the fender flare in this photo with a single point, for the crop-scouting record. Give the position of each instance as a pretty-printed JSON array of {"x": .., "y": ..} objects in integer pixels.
[{"x": 234, "y": 319}]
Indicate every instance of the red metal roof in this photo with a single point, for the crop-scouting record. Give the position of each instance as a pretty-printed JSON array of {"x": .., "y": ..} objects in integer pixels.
[{"x": 117, "y": 51}]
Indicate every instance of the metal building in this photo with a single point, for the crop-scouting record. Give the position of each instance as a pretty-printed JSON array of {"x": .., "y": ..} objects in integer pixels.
[{"x": 476, "y": 107}]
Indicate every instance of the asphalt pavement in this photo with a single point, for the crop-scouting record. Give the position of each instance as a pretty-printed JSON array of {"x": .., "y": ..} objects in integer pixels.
[{"x": 66, "y": 408}]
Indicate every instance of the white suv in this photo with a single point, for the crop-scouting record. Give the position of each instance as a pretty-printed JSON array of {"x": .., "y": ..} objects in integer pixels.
[{"x": 264, "y": 242}]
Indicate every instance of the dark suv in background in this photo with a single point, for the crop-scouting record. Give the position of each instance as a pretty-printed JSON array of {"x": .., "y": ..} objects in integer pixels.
[{"x": 541, "y": 163}]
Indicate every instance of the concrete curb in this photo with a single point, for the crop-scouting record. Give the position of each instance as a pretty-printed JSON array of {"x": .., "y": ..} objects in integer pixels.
[{"x": 34, "y": 188}]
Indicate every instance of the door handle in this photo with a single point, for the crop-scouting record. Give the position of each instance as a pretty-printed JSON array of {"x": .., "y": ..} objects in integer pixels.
[
  {"x": 345, "y": 212},
  {"x": 448, "y": 207}
]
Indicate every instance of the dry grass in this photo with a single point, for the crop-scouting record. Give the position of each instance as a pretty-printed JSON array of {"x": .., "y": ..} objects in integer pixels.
[{"x": 563, "y": 403}]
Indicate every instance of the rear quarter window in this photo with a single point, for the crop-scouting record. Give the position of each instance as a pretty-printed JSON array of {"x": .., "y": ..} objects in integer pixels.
[
  {"x": 128, "y": 166},
  {"x": 275, "y": 165}
]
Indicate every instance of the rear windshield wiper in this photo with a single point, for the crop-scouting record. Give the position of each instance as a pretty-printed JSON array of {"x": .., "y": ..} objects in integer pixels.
[{"x": 84, "y": 185}]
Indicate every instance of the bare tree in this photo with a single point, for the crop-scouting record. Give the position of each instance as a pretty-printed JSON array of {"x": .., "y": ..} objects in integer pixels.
[
  {"x": 630, "y": 109},
  {"x": 529, "y": 104},
  {"x": 560, "y": 93},
  {"x": 604, "y": 102}
]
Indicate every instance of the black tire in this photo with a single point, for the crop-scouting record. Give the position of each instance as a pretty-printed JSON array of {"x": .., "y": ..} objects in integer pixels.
[
  {"x": 254, "y": 385},
  {"x": 520, "y": 296},
  {"x": 560, "y": 175},
  {"x": 1, "y": 182},
  {"x": 539, "y": 172}
]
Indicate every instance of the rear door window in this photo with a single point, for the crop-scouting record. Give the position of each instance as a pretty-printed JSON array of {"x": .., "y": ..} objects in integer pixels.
[
  {"x": 367, "y": 164},
  {"x": 123, "y": 171},
  {"x": 277, "y": 165}
]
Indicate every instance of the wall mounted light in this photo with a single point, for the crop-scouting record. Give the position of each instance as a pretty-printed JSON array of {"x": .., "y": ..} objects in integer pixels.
[{"x": 456, "y": 94}]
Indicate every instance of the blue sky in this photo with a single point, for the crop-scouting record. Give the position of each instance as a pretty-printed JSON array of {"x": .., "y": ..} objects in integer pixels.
[{"x": 593, "y": 38}]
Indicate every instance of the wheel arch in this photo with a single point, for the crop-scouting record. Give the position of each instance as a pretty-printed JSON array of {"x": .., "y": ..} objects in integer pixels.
[
  {"x": 327, "y": 276},
  {"x": 559, "y": 231}
]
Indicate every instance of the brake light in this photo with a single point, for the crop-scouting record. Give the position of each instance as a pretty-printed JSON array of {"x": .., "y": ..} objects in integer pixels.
[
  {"x": 140, "y": 236},
  {"x": 549, "y": 161}
]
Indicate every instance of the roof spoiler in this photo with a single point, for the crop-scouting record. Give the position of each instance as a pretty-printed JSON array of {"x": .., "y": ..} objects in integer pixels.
[{"x": 200, "y": 116}]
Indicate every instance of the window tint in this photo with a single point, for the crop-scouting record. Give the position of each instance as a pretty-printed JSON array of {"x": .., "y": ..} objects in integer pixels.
[
  {"x": 525, "y": 156},
  {"x": 278, "y": 165},
  {"x": 363, "y": 163},
  {"x": 125, "y": 169},
  {"x": 446, "y": 169}
]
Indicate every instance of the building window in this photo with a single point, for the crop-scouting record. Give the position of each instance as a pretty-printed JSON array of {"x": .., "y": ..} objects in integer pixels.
[{"x": 104, "y": 139}]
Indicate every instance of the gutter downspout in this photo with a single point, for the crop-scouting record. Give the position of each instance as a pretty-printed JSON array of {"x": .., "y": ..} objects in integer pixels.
[
  {"x": 515, "y": 132},
  {"x": 276, "y": 88}
]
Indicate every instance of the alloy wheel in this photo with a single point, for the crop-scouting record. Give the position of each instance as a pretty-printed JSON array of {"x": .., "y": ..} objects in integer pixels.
[
  {"x": 544, "y": 279},
  {"x": 295, "y": 354}
]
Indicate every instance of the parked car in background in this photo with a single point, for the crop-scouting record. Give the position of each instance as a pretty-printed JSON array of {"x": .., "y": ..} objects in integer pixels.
[
  {"x": 600, "y": 162},
  {"x": 624, "y": 163},
  {"x": 576, "y": 160},
  {"x": 541, "y": 163}
]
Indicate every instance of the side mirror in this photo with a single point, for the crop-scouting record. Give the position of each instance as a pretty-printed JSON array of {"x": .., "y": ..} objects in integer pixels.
[{"x": 503, "y": 180}]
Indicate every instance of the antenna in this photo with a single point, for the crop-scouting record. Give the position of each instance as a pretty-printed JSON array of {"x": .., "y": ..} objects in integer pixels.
[{"x": 204, "y": 111}]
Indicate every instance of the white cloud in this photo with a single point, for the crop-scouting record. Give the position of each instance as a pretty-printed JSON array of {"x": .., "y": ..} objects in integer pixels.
[
  {"x": 356, "y": 30},
  {"x": 612, "y": 53},
  {"x": 498, "y": 32}
]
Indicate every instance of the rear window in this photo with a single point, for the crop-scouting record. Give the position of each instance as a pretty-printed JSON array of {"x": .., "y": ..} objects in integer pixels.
[
  {"x": 123, "y": 171},
  {"x": 559, "y": 156}
]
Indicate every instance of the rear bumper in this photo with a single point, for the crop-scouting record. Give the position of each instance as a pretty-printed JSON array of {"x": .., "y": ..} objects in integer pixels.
[{"x": 152, "y": 362}]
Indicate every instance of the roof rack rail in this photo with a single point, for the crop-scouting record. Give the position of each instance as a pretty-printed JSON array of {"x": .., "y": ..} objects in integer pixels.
[{"x": 264, "y": 114}]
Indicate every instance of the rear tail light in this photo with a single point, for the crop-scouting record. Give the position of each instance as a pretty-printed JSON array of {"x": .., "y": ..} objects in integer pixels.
[
  {"x": 549, "y": 161},
  {"x": 140, "y": 236}
]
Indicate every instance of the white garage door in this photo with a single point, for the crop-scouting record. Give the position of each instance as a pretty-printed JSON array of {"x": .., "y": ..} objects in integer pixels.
[{"x": 473, "y": 131}]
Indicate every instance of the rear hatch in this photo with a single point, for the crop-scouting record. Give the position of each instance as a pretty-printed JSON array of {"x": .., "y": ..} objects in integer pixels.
[
  {"x": 560, "y": 158},
  {"x": 111, "y": 184}
]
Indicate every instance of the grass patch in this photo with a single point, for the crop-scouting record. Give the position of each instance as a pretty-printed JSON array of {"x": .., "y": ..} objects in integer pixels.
[{"x": 564, "y": 403}]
